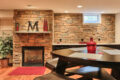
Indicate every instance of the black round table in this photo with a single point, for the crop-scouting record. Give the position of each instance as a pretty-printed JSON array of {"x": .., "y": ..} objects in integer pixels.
[{"x": 104, "y": 57}]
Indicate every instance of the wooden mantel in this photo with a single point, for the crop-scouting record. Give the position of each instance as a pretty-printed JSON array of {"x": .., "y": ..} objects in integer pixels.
[{"x": 36, "y": 32}]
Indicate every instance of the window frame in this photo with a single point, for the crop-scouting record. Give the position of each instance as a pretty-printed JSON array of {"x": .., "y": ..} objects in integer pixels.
[{"x": 92, "y": 14}]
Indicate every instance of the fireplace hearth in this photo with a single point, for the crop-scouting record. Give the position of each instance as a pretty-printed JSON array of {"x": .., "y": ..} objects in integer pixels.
[{"x": 32, "y": 56}]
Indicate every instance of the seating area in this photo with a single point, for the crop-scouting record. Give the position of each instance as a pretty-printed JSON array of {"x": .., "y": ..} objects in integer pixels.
[
  {"x": 59, "y": 40},
  {"x": 52, "y": 64},
  {"x": 89, "y": 72}
]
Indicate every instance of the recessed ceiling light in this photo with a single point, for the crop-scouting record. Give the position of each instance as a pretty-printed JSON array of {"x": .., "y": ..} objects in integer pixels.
[
  {"x": 79, "y": 6},
  {"x": 31, "y": 7},
  {"x": 66, "y": 11}
]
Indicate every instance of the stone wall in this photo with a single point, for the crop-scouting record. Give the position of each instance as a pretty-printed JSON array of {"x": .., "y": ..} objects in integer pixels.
[
  {"x": 69, "y": 29},
  {"x": 31, "y": 39}
]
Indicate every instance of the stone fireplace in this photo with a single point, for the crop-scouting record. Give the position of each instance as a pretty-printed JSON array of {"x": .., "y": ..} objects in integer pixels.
[
  {"x": 32, "y": 56},
  {"x": 25, "y": 42}
]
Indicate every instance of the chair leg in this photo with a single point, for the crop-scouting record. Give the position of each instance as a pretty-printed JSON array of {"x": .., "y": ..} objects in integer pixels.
[
  {"x": 100, "y": 73},
  {"x": 61, "y": 66}
]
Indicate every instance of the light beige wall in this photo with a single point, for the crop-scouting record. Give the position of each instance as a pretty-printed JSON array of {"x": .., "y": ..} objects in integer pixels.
[
  {"x": 6, "y": 22},
  {"x": 6, "y": 13},
  {"x": 117, "y": 28}
]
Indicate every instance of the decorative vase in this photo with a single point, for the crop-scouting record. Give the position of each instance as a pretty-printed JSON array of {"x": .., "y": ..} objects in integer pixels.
[
  {"x": 91, "y": 46},
  {"x": 45, "y": 26},
  {"x": 17, "y": 26}
]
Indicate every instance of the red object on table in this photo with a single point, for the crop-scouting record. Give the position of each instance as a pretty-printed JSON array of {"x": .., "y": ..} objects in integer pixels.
[
  {"x": 45, "y": 26},
  {"x": 91, "y": 46}
]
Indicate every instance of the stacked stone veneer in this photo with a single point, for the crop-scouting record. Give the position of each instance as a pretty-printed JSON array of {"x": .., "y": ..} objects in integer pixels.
[
  {"x": 70, "y": 29},
  {"x": 31, "y": 39}
]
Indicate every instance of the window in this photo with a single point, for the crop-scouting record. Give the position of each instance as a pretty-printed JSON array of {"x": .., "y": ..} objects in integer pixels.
[{"x": 91, "y": 18}]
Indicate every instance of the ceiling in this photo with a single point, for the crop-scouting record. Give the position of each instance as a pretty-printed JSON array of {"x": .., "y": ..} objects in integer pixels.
[{"x": 60, "y": 6}]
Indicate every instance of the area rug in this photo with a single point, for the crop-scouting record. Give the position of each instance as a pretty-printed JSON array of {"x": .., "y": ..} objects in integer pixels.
[{"x": 28, "y": 71}]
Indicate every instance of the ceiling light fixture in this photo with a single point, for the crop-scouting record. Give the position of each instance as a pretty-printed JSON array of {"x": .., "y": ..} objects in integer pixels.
[
  {"x": 31, "y": 7},
  {"x": 79, "y": 6},
  {"x": 66, "y": 11}
]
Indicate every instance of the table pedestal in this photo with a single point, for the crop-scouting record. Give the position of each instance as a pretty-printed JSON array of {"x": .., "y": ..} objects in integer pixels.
[{"x": 116, "y": 73}]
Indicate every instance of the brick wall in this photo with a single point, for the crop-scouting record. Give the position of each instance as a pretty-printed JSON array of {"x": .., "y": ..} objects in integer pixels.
[
  {"x": 27, "y": 39},
  {"x": 70, "y": 29}
]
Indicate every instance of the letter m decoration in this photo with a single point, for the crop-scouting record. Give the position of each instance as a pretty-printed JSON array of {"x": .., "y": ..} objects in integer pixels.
[{"x": 33, "y": 26}]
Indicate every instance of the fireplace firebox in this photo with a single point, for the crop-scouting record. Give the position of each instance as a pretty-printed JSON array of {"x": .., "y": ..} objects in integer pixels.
[{"x": 32, "y": 56}]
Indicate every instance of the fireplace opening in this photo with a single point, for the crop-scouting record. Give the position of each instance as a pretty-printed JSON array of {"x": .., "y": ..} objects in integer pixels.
[{"x": 32, "y": 56}]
